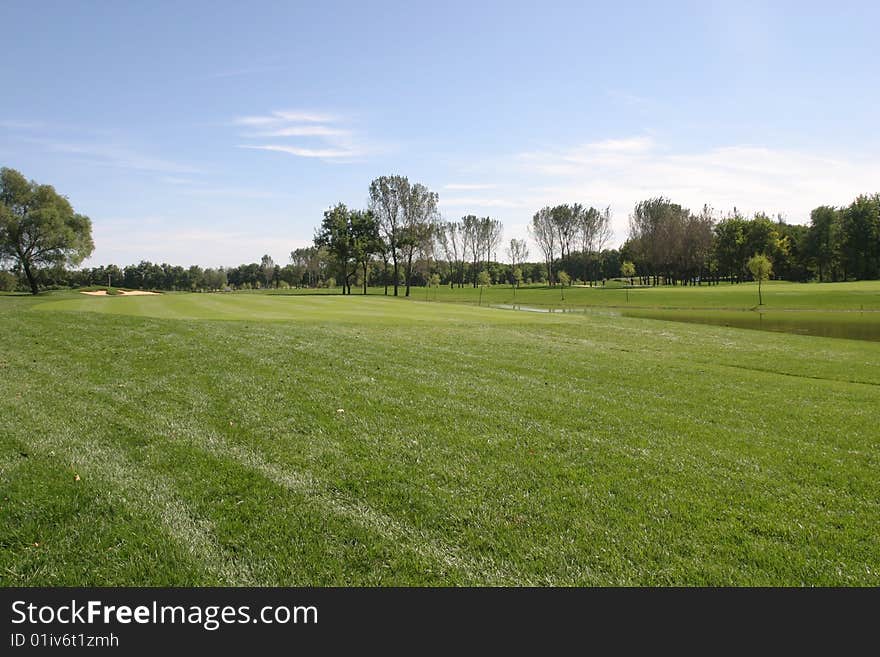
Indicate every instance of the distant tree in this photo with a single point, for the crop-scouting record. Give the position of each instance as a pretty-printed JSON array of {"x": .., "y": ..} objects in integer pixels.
[
  {"x": 824, "y": 224},
  {"x": 543, "y": 231},
  {"x": 38, "y": 226},
  {"x": 761, "y": 269},
  {"x": 267, "y": 268},
  {"x": 365, "y": 240},
  {"x": 628, "y": 270},
  {"x": 387, "y": 196},
  {"x": 564, "y": 279},
  {"x": 593, "y": 227},
  {"x": 419, "y": 211},
  {"x": 484, "y": 279},
  {"x": 195, "y": 278},
  {"x": 564, "y": 220},
  {"x": 335, "y": 234},
  {"x": 215, "y": 279},
  {"x": 860, "y": 227},
  {"x": 470, "y": 225},
  {"x": 730, "y": 246},
  {"x": 517, "y": 278},
  {"x": 491, "y": 231},
  {"x": 517, "y": 253}
]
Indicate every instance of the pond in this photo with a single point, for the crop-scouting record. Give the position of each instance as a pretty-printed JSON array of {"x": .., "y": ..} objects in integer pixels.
[{"x": 853, "y": 325}]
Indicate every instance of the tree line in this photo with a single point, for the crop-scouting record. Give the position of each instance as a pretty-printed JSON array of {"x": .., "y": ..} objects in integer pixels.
[
  {"x": 670, "y": 244},
  {"x": 399, "y": 241}
]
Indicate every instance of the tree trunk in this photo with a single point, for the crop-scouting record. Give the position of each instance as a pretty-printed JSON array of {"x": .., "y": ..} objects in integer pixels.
[
  {"x": 408, "y": 271},
  {"x": 365, "y": 277},
  {"x": 396, "y": 272},
  {"x": 30, "y": 277}
]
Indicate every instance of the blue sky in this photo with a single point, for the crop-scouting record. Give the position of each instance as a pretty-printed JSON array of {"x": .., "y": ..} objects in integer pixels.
[{"x": 213, "y": 133}]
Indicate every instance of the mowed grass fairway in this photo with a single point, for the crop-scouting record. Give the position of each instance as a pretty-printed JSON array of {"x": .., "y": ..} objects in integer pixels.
[{"x": 208, "y": 439}]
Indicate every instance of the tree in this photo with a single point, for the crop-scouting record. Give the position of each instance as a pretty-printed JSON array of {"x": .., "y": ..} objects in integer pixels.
[
  {"x": 491, "y": 231},
  {"x": 594, "y": 229},
  {"x": 628, "y": 270},
  {"x": 761, "y": 268},
  {"x": 564, "y": 279},
  {"x": 419, "y": 210},
  {"x": 564, "y": 220},
  {"x": 860, "y": 227},
  {"x": 470, "y": 228},
  {"x": 517, "y": 253},
  {"x": 543, "y": 231},
  {"x": 517, "y": 278},
  {"x": 729, "y": 247},
  {"x": 267, "y": 267},
  {"x": 387, "y": 194},
  {"x": 824, "y": 222},
  {"x": 38, "y": 227},
  {"x": 449, "y": 236},
  {"x": 336, "y": 236},
  {"x": 364, "y": 239}
]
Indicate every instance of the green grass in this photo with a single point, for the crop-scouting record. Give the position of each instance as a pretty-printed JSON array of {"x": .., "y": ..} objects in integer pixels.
[
  {"x": 777, "y": 294},
  {"x": 475, "y": 445}
]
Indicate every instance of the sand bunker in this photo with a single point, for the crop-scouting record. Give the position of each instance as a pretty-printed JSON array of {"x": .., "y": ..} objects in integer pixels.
[{"x": 121, "y": 293}]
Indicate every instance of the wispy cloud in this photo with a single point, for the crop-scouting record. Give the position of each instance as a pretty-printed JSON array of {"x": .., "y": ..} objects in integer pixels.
[
  {"x": 320, "y": 135},
  {"x": 286, "y": 116},
  {"x": 303, "y": 131},
  {"x": 324, "y": 153}
]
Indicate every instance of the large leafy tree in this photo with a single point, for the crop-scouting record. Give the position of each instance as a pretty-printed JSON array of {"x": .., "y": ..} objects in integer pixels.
[
  {"x": 335, "y": 235},
  {"x": 38, "y": 227},
  {"x": 387, "y": 196},
  {"x": 365, "y": 240},
  {"x": 821, "y": 241},
  {"x": 860, "y": 227},
  {"x": 419, "y": 210}
]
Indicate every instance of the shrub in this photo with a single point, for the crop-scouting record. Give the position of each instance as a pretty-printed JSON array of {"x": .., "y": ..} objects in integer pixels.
[{"x": 8, "y": 281}]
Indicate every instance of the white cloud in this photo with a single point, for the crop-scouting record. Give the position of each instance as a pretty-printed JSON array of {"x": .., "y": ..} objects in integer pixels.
[
  {"x": 753, "y": 178},
  {"x": 286, "y": 116},
  {"x": 303, "y": 131},
  {"x": 323, "y": 153},
  {"x": 320, "y": 135}
]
